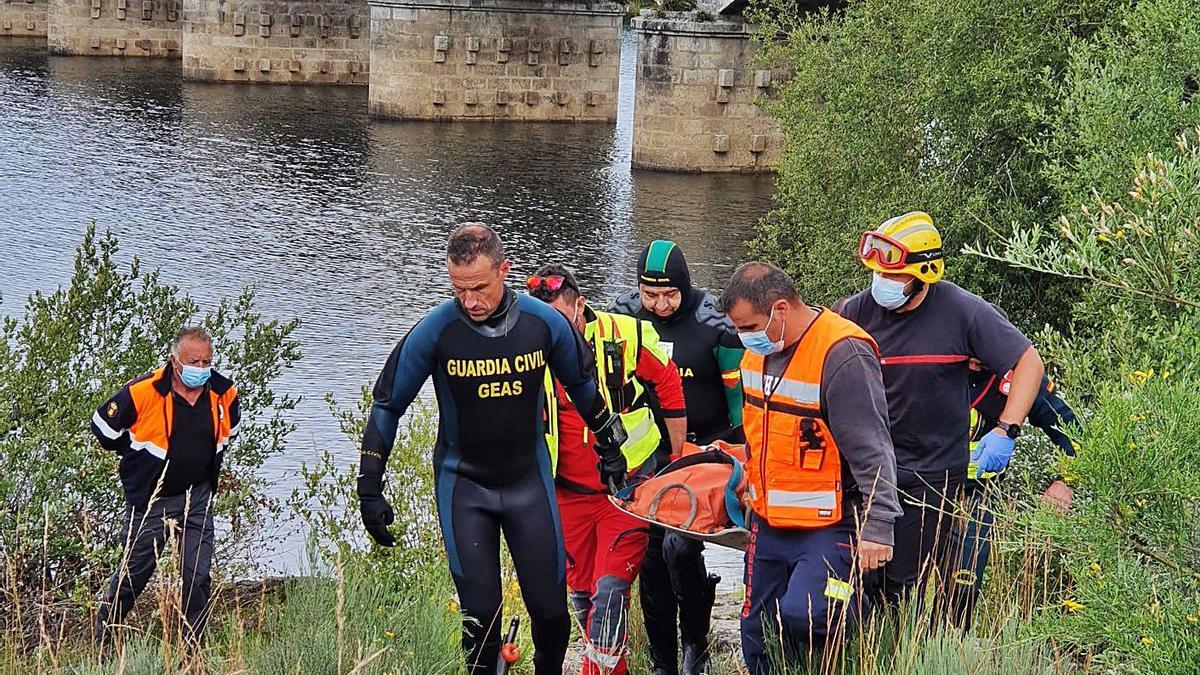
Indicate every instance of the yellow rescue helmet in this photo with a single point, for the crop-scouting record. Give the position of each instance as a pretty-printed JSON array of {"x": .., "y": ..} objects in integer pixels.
[{"x": 907, "y": 244}]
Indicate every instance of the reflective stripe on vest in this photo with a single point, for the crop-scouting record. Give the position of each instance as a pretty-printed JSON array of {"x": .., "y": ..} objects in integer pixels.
[
  {"x": 813, "y": 500},
  {"x": 805, "y": 393},
  {"x": 795, "y": 467},
  {"x": 644, "y": 436}
]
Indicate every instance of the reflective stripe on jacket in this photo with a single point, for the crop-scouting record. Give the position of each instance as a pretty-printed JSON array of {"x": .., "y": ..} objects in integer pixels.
[
  {"x": 136, "y": 424},
  {"x": 794, "y": 472}
]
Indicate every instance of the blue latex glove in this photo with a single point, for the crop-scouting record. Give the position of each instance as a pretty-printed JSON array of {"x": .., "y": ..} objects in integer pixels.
[{"x": 993, "y": 452}]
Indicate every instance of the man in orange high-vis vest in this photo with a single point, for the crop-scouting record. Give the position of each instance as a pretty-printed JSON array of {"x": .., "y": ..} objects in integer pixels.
[
  {"x": 170, "y": 427},
  {"x": 821, "y": 471}
]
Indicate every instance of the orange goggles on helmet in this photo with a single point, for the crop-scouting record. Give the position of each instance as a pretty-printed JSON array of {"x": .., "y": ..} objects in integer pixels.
[{"x": 891, "y": 254}]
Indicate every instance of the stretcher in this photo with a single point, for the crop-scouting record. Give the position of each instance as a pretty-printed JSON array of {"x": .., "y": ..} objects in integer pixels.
[{"x": 700, "y": 496}]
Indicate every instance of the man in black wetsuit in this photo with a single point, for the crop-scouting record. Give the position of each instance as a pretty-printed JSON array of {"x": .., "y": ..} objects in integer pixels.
[
  {"x": 704, "y": 346},
  {"x": 487, "y": 351}
]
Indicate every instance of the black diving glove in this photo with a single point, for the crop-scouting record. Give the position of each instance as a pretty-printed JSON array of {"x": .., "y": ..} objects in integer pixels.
[
  {"x": 376, "y": 512},
  {"x": 612, "y": 464}
]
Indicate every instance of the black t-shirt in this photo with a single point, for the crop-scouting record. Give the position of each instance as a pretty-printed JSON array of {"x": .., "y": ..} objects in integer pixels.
[
  {"x": 924, "y": 356},
  {"x": 192, "y": 447}
]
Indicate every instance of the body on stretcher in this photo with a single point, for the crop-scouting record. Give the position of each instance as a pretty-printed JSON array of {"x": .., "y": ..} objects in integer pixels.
[{"x": 700, "y": 495}]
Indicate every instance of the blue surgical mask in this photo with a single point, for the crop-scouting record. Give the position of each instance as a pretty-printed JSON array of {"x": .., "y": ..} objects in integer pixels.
[
  {"x": 758, "y": 342},
  {"x": 194, "y": 376},
  {"x": 887, "y": 293}
]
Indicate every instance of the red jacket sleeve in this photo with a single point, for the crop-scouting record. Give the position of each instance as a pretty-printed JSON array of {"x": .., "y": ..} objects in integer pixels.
[{"x": 667, "y": 384}]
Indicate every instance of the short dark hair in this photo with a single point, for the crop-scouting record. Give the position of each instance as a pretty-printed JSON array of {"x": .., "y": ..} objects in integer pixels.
[
  {"x": 471, "y": 240},
  {"x": 568, "y": 291},
  {"x": 189, "y": 333},
  {"x": 760, "y": 284}
]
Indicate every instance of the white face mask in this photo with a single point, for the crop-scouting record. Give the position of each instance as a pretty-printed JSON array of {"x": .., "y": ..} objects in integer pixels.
[{"x": 887, "y": 293}]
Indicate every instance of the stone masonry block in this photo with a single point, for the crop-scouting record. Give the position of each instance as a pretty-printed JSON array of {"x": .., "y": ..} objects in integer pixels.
[
  {"x": 562, "y": 97},
  {"x": 264, "y": 65},
  {"x": 501, "y": 97},
  {"x": 147, "y": 10},
  {"x": 296, "y": 22},
  {"x": 95, "y": 43},
  {"x": 762, "y": 79},
  {"x": 758, "y": 143},
  {"x": 326, "y": 23},
  {"x": 535, "y": 50},
  {"x": 239, "y": 24},
  {"x": 441, "y": 42},
  {"x": 726, "y": 77},
  {"x": 503, "y": 47},
  {"x": 239, "y": 65},
  {"x": 294, "y": 66},
  {"x": 172, "y": 11},
  {"x": 471, "y": 97},
  {"x": 264, "y": 25},
  {"x": 439, "y": 97},
  {"x": 722, "y": 95},
  {"x": 120, "y": 43},
  {"x": 564, "y": 51},
  {"x": 720, "y": 143},
  {"x": 355, "y": 26},
  {"x": 472, "y": 44},
  {"x": 532, "y": 98}
]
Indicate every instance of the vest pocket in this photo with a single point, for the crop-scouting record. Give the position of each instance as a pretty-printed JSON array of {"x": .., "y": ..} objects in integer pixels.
[{"x": 782, "y": 440}]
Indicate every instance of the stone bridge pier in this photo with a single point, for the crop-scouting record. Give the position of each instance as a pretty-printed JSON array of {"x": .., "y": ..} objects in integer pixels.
[
  {"x": 23, "y": 18},
  {"x": 114, "y": 27},
  {"x": 697, "y": 95},
  {"x": 282, "y": 41},
  {"x": 495, "y": 59}
]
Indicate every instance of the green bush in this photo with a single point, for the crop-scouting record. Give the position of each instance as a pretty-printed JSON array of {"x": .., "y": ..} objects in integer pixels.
[
  {"x": 58, "y": 362},
  {"x": 1130, "y": 549},
  {"x": 326, "y": 501},
  {"x": 901, "y": 105},
  {"x": 1138, "y": 256},
  {"x": 1126, "y": 92}
]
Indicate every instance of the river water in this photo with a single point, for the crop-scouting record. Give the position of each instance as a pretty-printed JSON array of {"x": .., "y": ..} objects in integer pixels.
[{"x": 335, "y": 218}]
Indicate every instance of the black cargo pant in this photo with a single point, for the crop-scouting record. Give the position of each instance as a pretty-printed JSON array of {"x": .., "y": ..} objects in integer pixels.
[{"x": 145, "y": 534}]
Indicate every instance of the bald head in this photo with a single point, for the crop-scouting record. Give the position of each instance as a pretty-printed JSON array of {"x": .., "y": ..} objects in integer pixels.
[{"x": 761, "y": 285}]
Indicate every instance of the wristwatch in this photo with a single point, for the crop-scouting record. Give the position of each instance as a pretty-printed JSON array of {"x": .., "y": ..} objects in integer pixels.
[{"x": 1010, "y": 430}]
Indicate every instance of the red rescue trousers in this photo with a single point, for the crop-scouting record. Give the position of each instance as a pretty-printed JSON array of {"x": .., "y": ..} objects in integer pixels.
[{"x": 605, "y": 547}]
